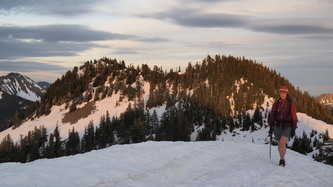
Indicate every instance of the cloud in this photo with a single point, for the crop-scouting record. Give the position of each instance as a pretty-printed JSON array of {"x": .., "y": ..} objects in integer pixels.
[
  {"x": 122, "y": 52},
  {"x": 212, "y": 45},
  {"x": 12, "y": 49},
  {"x": 47, "y": 7},
  {"x": 55, "y": 40},
  {"x": 196, "y": 18},
  {"x": 149, "y": 39},
  {"x": 29, "y": 66},
  {"x": 319, "y": 37},
  {"x": 192, "y": 17},
  {"x": 211, "y": 20},
  {"x": 49, "y": 40},
  {"x": 292, "y": 29},
  {"x": 59, "y": 33}
]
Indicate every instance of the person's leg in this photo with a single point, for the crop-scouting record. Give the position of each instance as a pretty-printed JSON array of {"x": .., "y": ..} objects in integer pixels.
[{"x": 282, "y": 146}]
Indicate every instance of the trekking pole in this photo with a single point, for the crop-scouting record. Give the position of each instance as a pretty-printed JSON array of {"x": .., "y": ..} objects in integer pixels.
[{"x": 270, "y": 146}]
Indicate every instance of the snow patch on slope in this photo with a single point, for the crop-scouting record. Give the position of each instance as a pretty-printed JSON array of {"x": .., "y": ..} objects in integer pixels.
[
  {"x": 110, "y": 104},
  {"x": 58, "y": 112}
]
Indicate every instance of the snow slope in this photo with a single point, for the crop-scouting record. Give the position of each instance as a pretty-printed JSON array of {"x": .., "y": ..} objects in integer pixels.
[
  {"x": 215, "y": 163},
  {"x": 115, "y": 108},
  {"x": 110, "y": 104}
]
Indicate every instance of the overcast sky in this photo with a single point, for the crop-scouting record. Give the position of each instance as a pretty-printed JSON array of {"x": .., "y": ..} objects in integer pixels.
[{"x": 44, "y": 38}]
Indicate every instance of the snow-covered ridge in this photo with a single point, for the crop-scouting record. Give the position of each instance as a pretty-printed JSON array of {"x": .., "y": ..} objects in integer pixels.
[
  {"x": 115, "y": 108},
  {"x": 22, "y": 86},
  {"x": 308, "y": 123}
]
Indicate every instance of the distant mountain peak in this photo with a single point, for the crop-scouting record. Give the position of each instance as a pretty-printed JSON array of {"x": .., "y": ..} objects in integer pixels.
[
  {"x": 43, "y": 84},
  {"x": 21, "y": 86},
  {"x": 325, "y": 99}
]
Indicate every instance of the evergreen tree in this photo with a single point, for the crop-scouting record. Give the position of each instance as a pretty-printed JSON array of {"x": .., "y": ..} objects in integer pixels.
[
  {"x": 72, "y": 143},
  {"x": 49, "y": 151},
  {"x": 88, "y": 139},
  {"x": 37, "y": 140},
  {"x": 296, "y": 144},
  {"x": 204, "y": 135},
  {"x": 109, "y": 129},
  {"x": 55, "y": 146},
  {"x": 152, "y": 122},
  {"x": 257, "y": 117},
  {"x": 247, "y": 122},
  {"x": 138, "y": 132},
  {"x": 58, "y": 147},
  {"x": 8, "y": 150},
  {"x": 100, "y": 134},
  {"x": 231, "y": 124}
]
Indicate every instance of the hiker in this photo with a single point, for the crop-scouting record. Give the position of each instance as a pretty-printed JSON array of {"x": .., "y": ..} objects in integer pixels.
[{"x": 283, "y": 121}]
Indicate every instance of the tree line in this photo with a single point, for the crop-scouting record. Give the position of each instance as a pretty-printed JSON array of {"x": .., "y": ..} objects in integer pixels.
[
  {"x": 136, "y": 125},
  {"x": 133, "y": 126}
]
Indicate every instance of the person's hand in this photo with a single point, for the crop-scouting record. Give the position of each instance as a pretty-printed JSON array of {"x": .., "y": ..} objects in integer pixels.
[
  {"x": 292, "y": 134},
  {"x": 270, "y": 131}
]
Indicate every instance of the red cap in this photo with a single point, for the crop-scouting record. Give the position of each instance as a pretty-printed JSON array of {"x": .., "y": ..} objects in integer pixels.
[{"x": 284, "y": 89}]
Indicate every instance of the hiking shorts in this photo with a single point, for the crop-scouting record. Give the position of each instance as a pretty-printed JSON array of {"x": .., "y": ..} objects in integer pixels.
[{"x": 281, "y": 132}]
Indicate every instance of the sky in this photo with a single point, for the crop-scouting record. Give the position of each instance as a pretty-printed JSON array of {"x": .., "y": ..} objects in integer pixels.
[{"x": 43, "y": 39}]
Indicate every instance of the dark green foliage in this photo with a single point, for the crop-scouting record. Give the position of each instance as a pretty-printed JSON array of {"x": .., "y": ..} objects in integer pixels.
[
  {"x": 124, "y": 127},
  {"x": 247, "y": 122},
  {"x": 257, "y": 117},
  {"x": 30, "y": 148},
  {"x": 306, "y": 145},
  {"x": 73, "y": 143},
  {"x": 88, "y": 142},
  {"x": 205, "y": 135},
  {"x": 325, "y": 149},
  {"x": 8, "y": 151},
  {"x": 152, "y": 122},
  {"x": 138, "y": 132},
  {"x": 104, "y": 135},
  {"x": 176, "y": 124},
  {"x": 55, "y": 146},
  {"x": 302, "y": 145}
]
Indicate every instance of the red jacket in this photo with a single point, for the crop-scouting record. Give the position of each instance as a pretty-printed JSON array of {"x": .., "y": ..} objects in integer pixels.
[{"x": 283, "y": 114}]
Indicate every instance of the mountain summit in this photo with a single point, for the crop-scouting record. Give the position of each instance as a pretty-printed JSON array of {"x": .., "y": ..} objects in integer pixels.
[
  {"x": 21, "y": 86},
  {"x": 326, "y": 100},
  {"x": 17, "y": 92}
]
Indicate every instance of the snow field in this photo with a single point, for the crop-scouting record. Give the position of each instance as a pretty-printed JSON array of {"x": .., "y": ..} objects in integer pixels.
[{"x": 214, "y": 163}]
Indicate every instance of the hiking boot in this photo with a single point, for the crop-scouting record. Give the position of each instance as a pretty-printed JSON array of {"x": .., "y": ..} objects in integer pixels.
[{"x": 282, "y": 163}]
